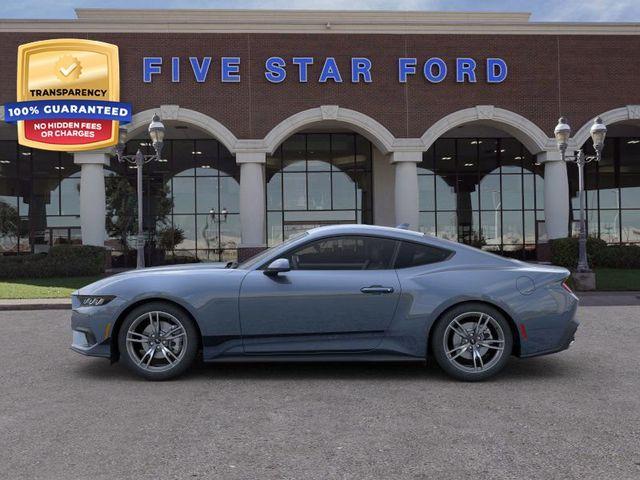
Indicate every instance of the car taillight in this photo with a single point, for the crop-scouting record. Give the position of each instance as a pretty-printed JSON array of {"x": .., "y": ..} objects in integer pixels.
[{"x": 566, "y": 287}]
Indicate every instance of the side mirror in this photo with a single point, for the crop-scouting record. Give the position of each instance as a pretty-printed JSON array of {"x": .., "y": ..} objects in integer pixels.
[{"x": 279, "y": 265}]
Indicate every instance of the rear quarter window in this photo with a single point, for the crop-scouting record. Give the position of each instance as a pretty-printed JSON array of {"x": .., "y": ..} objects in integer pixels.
[{"x": 415, "y": 254}]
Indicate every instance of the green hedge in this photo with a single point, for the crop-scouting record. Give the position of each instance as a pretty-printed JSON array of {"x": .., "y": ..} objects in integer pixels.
[
  {"x": 564, "y": 252},
  {"x": 61, "y": 261}
]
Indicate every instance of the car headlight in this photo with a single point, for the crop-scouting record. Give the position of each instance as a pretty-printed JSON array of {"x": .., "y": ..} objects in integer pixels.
[{"x": 94, "y": 300}]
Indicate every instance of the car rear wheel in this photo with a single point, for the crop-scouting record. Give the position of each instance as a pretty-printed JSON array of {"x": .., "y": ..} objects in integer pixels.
[
  {"x": 472, "y": 342},
  {"x": 158, "y": 341}
]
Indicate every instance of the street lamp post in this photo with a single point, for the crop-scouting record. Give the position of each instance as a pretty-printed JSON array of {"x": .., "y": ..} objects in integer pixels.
[
  {"x": 156, "y": 133},
  {"x": 562, "y": 133}
]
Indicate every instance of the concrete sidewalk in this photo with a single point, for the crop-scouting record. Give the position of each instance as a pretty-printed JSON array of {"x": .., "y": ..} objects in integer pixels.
[{"x": 587, "y": 299}]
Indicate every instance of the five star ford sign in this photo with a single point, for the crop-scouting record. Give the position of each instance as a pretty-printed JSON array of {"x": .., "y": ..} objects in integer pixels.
[{"x": 68, "y": 95}]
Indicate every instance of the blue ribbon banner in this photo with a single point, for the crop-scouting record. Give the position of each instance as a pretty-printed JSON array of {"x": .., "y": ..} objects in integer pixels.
[{"x": 67, "y": 109}]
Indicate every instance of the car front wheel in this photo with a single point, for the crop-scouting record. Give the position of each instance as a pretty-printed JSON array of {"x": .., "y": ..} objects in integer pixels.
[
  {"x": 158, "y": 341},
  {"x": 472, "y": 342}
]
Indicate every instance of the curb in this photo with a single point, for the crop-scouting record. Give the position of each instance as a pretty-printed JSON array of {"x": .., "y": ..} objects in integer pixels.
[{"x": 39, "y": 304}]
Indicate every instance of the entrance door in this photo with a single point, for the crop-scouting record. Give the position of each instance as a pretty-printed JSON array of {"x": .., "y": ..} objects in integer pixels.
[{"x": 340, "y": 296}]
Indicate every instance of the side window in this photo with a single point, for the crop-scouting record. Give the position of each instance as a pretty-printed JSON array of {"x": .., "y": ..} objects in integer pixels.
[
  {"x": 415, "y": 254},
  {"x": 344, "y": 253}
]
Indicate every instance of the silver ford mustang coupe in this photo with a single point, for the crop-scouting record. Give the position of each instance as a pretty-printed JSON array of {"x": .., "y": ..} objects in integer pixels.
[{"x": 339, "y": 293}]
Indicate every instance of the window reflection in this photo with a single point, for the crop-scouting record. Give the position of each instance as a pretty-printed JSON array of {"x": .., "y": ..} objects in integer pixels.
[
  {"x": 612, "y": 191},
  {"x": 317, "y": 179},
  {"x": 486, "y": 192}
]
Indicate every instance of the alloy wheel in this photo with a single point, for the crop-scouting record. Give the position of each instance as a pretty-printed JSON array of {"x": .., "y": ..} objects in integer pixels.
[
  {"x": 474, "y": 342},
  {"x": 156, "y": 341}
]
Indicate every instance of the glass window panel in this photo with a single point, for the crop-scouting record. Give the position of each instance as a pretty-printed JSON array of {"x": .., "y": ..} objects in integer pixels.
[
  {"x": 363, "y": 184},
  {"x": 609, "y": 225},
  {"x": 320, "y": 191},
  {"x": 426, "y": 165},
  {"x": 274, "y": 192},
  {"x": 467, "y": 192},
  {"x": 468, "y": 227},
  {"x": 445, "y": 156},
  {"x": 630, "y": 190},
  {"x": 445, "y": 194},
  {"x": 414, "y": 255},
  {"x": 467, "y": 152},
  {"x": 294, "y": 153},
  {"x": 188, "y": 225},
  {"x": 45, "y": 163},
  {"x": 426, "y": 196},
  {"x": 318, "y": 152},
  {"x": 487, "y": 156},
  {"x": 528, "y": 191},
  {"x": 539, "y": 192},
  {"x": 343, "y": 191},
  {"x": 229, "y": 194},
  {"x": 182, "y": 157},
  {"x": 230, "y": 232},
  {"x": 512, "y": 228},
  {"x": 446, "y": 225},
  {"x": 629, "y": 155},
  {"x": 207, "y": 194},
  {"x": 183, "y": 195},
  {"x": 70, "y": 196},
  {"x": 206, "y": 157},
  {"x": 363, "y": 153},
  {"x": 227, "y": 164},
  {"x": 68, "y": 221},
  {"x": 529, "y": 227},
  {"x": 8, "y": 159},
  {"x": 427, "y": 223},
  {"x": 491, "y": 224},
  {"x": 631, "y": 226},
  {"x": 608, "y": 191},
  {"x": 512, "y": 192},
  {"x": 511, "y": 155},
  {"x": 490, "y": 198},
  {"x": 342, "y": 151},
  {"x": 344, "y": 253},
  {"x": 44, "y": 197},
  {"x": 67, "y": 167},
  {"x": 295, "y": 191},
  {"x": 208, "y": 234},
  {"x": 274, "y": 228}
]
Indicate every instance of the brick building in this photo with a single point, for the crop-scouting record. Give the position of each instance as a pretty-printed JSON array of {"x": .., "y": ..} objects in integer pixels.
[{"x": 279, "y": 121}]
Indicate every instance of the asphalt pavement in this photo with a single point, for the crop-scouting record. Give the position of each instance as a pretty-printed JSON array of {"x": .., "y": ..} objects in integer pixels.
[{"x": 571, "y": 415}]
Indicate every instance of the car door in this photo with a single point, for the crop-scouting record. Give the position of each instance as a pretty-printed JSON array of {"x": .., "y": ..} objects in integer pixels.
[{"x": 339, "y": 296}]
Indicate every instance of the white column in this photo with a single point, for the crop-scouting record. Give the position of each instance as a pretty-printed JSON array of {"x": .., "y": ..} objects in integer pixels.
[
  {"x": 406, "y": 187},
  {"x": 556, "y": 194},
  {"x": 252, "y": 198},
  {"x": 92, "y": 196}
]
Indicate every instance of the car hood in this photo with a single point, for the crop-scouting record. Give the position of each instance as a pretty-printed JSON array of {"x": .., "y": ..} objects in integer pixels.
[{"x": 140, "y": 275}]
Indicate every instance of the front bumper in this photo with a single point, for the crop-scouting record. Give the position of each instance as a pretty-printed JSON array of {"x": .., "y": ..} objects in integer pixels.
[{"x": 91, "y": 327}]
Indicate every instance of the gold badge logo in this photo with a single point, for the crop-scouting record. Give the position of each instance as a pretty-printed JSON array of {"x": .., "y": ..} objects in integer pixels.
[{"x": 73, "y": 76}]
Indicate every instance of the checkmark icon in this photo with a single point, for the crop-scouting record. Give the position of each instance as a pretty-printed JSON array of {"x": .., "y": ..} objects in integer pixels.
[{"x": 66, "y": 71}]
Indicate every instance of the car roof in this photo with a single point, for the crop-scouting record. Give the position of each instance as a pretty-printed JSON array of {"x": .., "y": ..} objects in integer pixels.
[{"x": 359, "y": 229}]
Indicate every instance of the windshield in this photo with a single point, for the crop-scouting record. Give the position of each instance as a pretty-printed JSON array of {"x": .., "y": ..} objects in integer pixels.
[{"x": 260, "y": 257}]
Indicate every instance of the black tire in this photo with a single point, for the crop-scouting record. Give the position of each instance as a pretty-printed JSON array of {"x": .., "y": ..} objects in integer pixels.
[
  {"x": 160, "y": 366},
  {"x": 445, "y": 338}
]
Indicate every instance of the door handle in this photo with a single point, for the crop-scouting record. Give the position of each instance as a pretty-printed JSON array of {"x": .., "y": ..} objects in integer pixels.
[{"x": 376, "y": 289}]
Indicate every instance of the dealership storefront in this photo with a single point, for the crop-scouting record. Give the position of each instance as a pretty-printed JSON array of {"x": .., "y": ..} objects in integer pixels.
[{"x": 278, "y": 122}]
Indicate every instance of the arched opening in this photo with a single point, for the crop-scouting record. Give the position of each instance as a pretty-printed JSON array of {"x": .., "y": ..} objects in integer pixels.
[
  {"x": 319, "y": 176},
  {"x": 321, "y": 168},
  {"x": 612, "y": 186},
  {"x": 481, "y": 186},
  {"x": 191, "y": 199}
]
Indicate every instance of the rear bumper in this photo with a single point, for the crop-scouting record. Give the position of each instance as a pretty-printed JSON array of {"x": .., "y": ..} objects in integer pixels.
[{"x": 565, "y": 342}]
